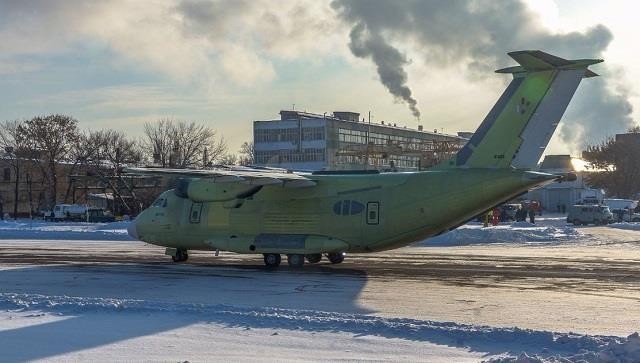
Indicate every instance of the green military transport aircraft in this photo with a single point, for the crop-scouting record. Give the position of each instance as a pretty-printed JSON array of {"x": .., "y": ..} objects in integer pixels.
[{"x": 307, "y": 215}]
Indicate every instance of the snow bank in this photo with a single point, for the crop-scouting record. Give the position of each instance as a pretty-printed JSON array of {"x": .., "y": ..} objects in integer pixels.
[
  {"x": 544, "y": 346},
  {"x": 624, "y": 351},
  {"x": 517, "y": 232},
  {"x": 34, "y": 229},
  {"x": 626, "y": 225}
]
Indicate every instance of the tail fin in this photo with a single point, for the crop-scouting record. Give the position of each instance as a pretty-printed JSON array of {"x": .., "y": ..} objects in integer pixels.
[{"x": 519, "y": 126}]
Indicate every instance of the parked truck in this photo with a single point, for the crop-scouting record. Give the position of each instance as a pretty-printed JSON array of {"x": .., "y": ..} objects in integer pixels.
[{"x": 77, "y": 213}]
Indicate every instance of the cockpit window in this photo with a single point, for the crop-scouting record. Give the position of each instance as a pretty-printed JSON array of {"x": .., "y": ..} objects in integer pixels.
[{"x": 160, "y": 202}]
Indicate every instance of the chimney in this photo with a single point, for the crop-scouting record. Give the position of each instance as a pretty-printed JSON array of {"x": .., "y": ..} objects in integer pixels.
[
  {"x": 382, "y": 122},
  {"x": 419, "y": 127}
]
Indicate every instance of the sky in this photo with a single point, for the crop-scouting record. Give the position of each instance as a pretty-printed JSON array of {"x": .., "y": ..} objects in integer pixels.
[{"x": 118, "y": 64}]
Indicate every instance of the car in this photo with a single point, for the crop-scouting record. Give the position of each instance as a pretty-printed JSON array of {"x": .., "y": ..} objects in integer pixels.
[
  {"x": 625, "y": 215},
  {"x": 508, "y": 211},
  {"x": 589, "y": 214},
  {"x": 98, "y": 215}
]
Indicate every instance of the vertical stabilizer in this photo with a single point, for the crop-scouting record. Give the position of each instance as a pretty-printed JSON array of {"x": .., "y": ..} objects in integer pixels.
[{"x": 519, "y": 126}]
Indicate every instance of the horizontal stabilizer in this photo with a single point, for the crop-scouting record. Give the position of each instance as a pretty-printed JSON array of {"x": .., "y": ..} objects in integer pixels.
[{"x": 536, "y": 60}]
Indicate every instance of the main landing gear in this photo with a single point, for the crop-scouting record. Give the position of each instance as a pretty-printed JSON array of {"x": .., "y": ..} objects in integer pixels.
[
  {"x": 314, "y": 258},
  {"x": 336, "y": 257},
  {"x": 180, "y": 256},
  {"x": 295, "y": 260},
  {"x": 272, "y": 259}
]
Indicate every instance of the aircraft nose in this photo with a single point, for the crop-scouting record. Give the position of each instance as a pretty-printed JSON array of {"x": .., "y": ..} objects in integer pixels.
[{"x": 132, "y": 230}]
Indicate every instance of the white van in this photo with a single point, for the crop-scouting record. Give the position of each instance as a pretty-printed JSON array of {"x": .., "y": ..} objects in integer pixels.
[
  {"x": 589, "y": 214},
  {"x": 620, "y": 203}
]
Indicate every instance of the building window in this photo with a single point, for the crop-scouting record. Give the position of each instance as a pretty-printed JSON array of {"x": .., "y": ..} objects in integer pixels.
[
  {"x": 6, "y": 175},
  {"x": 289, "y": 156},
  {"x": 277, "y": 135},
  {"x": 313, "y": 133}
]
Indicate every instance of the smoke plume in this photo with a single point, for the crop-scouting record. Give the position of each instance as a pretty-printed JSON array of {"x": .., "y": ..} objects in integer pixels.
[
  {"x": 388, "y": 59},
  {"x": 477, "y": 35}
]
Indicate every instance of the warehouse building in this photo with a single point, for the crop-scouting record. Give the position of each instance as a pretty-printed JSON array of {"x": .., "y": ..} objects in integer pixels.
[
  {"x": 344, "y": 141},
  {"x": 558, "y": 197}
]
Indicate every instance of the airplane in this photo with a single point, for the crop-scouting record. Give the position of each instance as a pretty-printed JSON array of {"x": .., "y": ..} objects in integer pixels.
[{"x": 306, "y": 216}]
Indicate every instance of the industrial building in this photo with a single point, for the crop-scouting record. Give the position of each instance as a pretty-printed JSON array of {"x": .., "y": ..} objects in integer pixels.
[
  {"x": 558, "y": 197},
  {"x": 345, "y": 141}
]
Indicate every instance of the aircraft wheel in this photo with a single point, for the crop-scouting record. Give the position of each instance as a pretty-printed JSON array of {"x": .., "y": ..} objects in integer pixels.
[
  {"x": 272, "y": 259},
  {"x": 181, "y": 256},
  {"x": 314, "y": 258},
  {"x": 295, "y": 260},
  {"x": 336, "y": 257}
]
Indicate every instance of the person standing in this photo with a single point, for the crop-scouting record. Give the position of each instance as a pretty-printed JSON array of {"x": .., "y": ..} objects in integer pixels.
[
  {"x": 532, "y": 215},
  {"x": 496, "y": 216}
]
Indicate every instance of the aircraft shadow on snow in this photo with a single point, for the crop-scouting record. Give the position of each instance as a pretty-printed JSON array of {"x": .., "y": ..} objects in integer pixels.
[{"x": 170, "y": 297}]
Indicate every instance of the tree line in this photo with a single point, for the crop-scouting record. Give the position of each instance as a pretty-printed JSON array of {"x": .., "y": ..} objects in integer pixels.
[
  {"x": 615, "y": 165},
  {"x": 45, "y": 142}
]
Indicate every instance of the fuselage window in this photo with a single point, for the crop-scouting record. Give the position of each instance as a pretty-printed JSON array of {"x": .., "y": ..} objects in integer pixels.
[
  {"x": 348, "y": 207},
  {"x": 356, "y": 207}
]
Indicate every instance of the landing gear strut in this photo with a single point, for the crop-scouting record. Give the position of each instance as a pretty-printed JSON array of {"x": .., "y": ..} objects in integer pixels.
[
  {"x": 180, "y": 256},
  {"x": 272, "y": 259},
  {"x": 295, "y": 260},
  {"x": 335, "y": 257}
]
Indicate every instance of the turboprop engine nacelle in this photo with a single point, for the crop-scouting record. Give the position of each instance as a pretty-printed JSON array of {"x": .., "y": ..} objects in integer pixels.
[{"x": 202, "y": 190}]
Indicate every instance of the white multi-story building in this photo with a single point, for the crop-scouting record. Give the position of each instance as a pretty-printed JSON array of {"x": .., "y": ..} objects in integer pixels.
[{"x": 342, "y": 141}]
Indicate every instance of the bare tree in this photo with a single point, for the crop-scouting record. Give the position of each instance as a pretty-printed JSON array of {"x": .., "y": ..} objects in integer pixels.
[
  {"x": 52, "y": 138},
  {"x": 113, "y": 150},
  {"x": 117, "y": 149},
  {"x": 83, "y": 151},
  {"x": 229, "y": 159},
  {"x": 16, "y": 148},
  {"x": 246, "y": 153},
  {"x": 183, "y": 144}
]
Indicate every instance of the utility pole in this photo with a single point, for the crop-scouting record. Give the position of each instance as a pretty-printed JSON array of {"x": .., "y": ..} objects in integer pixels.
[{"x": 366, "y": 155}]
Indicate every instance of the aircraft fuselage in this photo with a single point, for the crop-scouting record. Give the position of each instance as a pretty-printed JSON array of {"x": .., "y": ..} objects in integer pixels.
[{"x": 342, "y": 213}]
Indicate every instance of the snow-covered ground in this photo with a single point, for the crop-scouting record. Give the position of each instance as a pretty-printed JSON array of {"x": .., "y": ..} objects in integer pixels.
[
  {"x": 548, "y": 229},
  {"x": 38, "y": 229},
  {"x": 516, "y": 232},
  {"x": 626, "y": 225},
  {"x": 469, "y": 295}
]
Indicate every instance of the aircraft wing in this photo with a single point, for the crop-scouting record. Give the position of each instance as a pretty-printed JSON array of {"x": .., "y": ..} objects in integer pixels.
[{"x": 244, "y": 175}]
